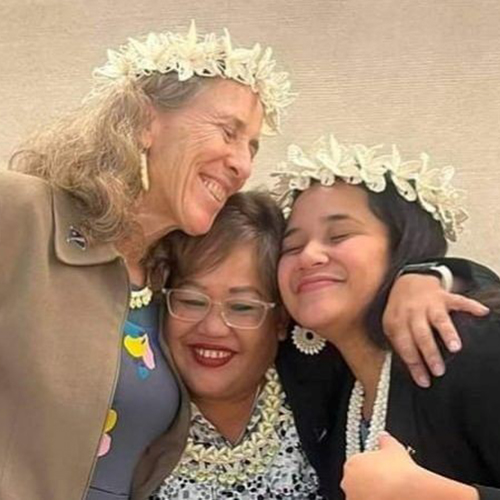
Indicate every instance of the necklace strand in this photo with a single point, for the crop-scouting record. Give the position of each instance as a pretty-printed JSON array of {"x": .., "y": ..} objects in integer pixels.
[
  {"x": 229, "y": 464},
  {"x": 379, "y": 413},
  {"x": 140, "y": 298}
]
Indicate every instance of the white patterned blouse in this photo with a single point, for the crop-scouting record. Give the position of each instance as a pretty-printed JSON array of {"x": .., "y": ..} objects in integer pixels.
[{"x": 267, "y": 463}]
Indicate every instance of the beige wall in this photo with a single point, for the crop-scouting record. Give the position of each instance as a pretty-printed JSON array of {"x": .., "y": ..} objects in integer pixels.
[{"x": 423, "y": 74}]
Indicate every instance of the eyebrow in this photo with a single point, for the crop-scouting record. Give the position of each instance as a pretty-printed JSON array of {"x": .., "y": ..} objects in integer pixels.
[
  {"x": 234, "y": 289},
  {"x": 245, "y": 289},
  {"x": 325, "y": 219}
]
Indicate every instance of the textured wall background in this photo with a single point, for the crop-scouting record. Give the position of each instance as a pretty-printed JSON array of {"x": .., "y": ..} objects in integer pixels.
[{"x": 423, "y": 74}]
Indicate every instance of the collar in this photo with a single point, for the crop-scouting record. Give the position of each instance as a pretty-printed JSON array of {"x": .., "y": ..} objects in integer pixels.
[
  {"x": 204, "y": 432},
  {"x": 71, "y": 245}
]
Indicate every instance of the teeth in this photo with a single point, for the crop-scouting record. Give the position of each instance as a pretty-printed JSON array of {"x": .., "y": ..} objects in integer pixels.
[
  {"x": 212, "y": 353},
  {"x": 215, "y": 189}
]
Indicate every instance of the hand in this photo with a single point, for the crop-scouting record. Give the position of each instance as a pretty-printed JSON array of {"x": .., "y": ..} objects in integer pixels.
[
  {"x": 379, "y": 475},
  {"x": 391, "y": 474},
  {"x": 417, "y": 304}
]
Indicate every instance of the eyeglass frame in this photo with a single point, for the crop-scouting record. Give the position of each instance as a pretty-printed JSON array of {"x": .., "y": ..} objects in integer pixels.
[{"x": 267, "y": 306}]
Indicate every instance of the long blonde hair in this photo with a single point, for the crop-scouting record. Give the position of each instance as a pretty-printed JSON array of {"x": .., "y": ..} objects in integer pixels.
[{"x": 94, "y": 152}]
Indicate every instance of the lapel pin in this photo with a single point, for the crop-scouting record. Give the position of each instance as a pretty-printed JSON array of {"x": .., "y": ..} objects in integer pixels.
[{"x": 75, "y": 237}]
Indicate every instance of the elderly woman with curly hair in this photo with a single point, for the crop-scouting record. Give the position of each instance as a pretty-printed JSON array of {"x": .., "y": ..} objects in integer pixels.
[{"x": 167, "y": 135}]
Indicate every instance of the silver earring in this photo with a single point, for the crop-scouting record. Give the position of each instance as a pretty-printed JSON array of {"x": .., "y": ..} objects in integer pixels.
[
  {"x": 306, "y": 341},
  {"x": 144, "y": 171}
]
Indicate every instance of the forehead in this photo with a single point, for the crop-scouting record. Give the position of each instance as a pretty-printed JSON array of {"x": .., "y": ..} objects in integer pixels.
[
  {"x": 230, "y": 99},
  {"x": 321, "y": 201},
  {"x": 239, "y": 268},
  {"x": 228, "y": 95}
]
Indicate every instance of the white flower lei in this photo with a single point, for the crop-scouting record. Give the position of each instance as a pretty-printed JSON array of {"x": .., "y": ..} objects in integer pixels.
[
  {"x": 202, "y": 55},
  {"x": 227, "y": 465},
  {"x": 415, "y": 181}
]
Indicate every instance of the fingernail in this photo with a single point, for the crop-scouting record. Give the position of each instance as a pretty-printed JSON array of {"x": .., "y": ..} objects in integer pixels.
[
  {"x": 437, "y": 369},
  {"x": 423, "y": 381},
  {"x": 454, "y": 346},
  {"x": 485, "y": 309}
]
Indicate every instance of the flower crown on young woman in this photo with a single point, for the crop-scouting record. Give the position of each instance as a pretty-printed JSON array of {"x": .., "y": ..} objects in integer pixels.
[
  {"x": 415, "y": 180},
  {"x": 202, "y": 55}
]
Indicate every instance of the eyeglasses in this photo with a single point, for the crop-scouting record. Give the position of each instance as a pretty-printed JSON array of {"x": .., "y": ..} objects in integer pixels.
[{"x": 189, "y": 305}]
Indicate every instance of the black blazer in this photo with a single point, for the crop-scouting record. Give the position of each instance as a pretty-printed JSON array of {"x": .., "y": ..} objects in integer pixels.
[{"x": 454, "y": 427}]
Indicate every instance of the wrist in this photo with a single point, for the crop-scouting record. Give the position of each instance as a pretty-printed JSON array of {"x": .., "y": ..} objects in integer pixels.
[
  {"x": 440, "y": 271},
  {"x": 431, "y": 486}
]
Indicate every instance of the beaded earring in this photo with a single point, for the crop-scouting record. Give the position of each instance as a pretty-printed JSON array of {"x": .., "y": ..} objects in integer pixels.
[{"x": 306, "y": 341}]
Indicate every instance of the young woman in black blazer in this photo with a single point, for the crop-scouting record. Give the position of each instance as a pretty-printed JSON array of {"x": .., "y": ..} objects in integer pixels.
[{"x": 357, "y": 217}]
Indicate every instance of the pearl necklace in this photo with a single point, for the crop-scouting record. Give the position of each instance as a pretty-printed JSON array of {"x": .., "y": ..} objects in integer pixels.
[
  {"x": 140, "y": 298},
  {"x": 379, "y": 413},
  {"x": 229, "y": 464}
]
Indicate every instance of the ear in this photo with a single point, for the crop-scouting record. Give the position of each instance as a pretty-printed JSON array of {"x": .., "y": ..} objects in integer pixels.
[
  {"x": 147, "y": 135},
  {"x": 282, "y": 323}
]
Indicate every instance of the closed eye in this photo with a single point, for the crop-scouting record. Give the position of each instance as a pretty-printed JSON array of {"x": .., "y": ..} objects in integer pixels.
[
  {"x": 229, "y": 133},
  {"x": 254, "y": 148},
  {"x": 243, "y": 308},
  {"x": 337, "y": 238},
  {"x": 192, "y": 303},
  {"x": 290, "y": 250}
]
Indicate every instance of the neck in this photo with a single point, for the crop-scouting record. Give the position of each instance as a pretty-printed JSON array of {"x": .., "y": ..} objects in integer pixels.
[
  {"x": 134, "y": 247},
  {"x": 230, "y": 417},
  {"x": 365, "y": 361},
  {"x": 154, "y": 223}
]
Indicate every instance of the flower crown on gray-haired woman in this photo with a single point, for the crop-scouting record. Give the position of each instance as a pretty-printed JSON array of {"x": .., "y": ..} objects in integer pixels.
[{"x": 165, "y": 137}]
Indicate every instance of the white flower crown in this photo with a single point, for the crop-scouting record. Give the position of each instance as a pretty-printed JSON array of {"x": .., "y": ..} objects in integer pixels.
[
  {"x": 202, "y": 55},
  {"x": 356, "y": 164}
]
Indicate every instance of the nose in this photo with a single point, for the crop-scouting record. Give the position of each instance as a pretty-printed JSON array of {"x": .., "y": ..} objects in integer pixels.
[
  {"x": 212, "y": 325},
  {"x": 240, "y": 162},
  {"x": 313, "y": 254}
]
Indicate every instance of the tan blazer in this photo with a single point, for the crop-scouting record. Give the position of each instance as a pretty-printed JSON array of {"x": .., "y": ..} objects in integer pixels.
[{"x": 62, "y": 307}]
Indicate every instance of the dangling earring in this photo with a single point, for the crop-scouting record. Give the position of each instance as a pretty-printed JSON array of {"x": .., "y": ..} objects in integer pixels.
[
  {"x": 306, "y": 341},
  {"x": 144, "y": 171}
]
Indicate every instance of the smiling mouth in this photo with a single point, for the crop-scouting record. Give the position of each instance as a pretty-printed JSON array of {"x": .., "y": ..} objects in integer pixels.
[
  {"x": 310, "y": 286},
  {"x": 212, "y": 357},
  {"x": 214, "y": 188}
]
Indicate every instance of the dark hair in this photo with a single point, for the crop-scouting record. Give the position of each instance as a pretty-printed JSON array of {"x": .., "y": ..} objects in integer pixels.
[
  {"x": 414, "y": 236},
  {"x": 250, "y": 216}
]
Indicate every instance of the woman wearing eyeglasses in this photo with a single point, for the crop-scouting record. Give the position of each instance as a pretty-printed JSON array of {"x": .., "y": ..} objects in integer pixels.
[{"x": 223, "y": 328}]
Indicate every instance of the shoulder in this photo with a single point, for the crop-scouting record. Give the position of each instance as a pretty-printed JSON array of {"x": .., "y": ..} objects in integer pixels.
[
  {"x": 18, "y": 191},
  {"x": 480, "y": 355},
  {"x": 25, "y": 203},
  {"x": 474, "y": 371},
  {"x": 313, "y": 385},
  {"x": 325, "y": 370}
]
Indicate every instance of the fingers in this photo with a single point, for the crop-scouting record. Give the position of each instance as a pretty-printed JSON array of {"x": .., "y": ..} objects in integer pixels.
[
  {"x": 439, "y": 318},
  {"x": 388, "y": 442},
  {"x": 457, "y": 302},
  {"x": 421, "y": 331},
  {"x": 400, "y": 337}
]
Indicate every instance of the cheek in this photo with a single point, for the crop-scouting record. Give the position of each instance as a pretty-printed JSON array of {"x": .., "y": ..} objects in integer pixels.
[
  {"x": 368, "y": 270},
  {"x": 175, "y": 333},
  {"x": 262, "y": 348},
  {"x": 284, "y": 272}
]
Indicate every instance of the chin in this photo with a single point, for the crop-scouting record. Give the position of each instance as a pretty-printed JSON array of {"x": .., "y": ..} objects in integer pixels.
[
  {"x": 199, "y": 225},
  {"x": 316, "y": 319}
]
